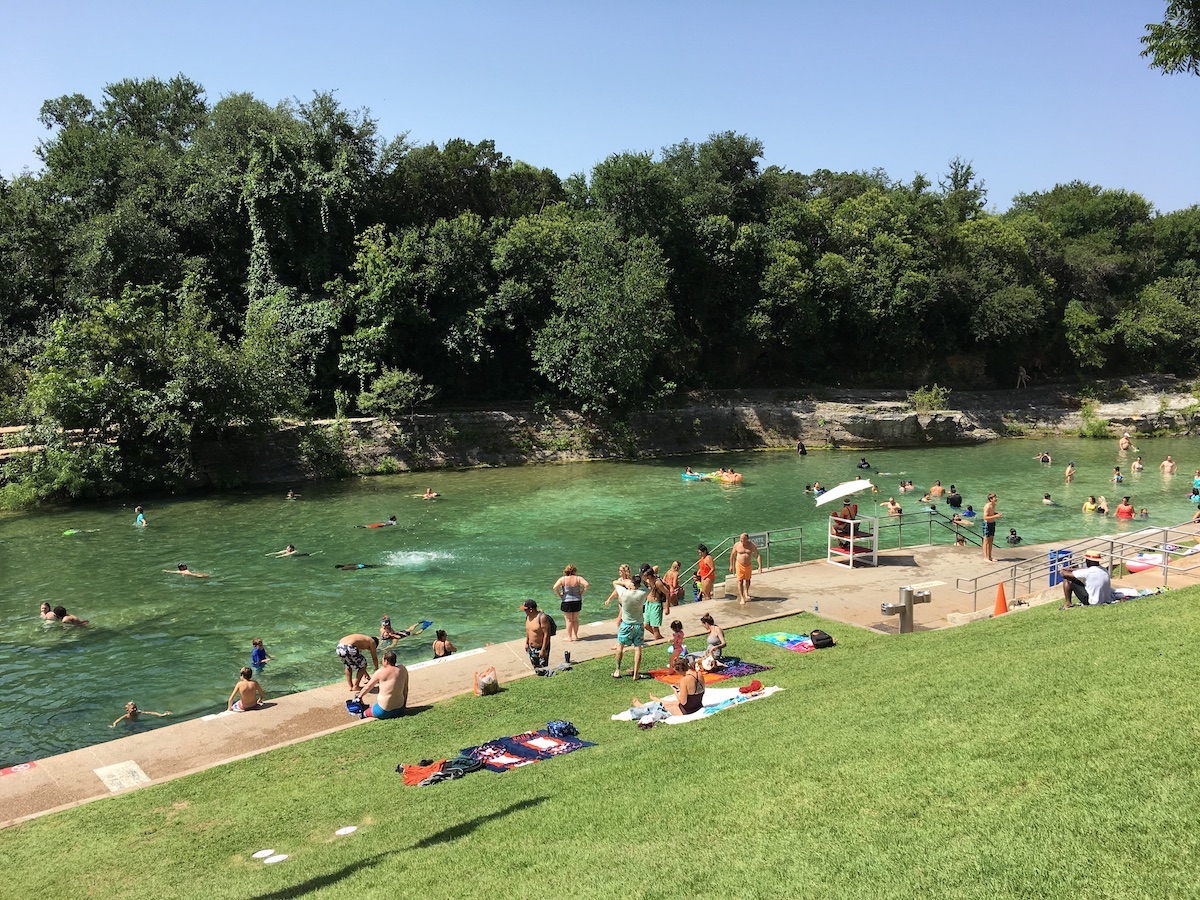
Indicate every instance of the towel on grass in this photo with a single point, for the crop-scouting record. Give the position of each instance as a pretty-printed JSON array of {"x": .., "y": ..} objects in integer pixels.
[
  {"x": 503, "y": 754},
  {"x": 739, "y": 669},
  {"x": 667, "y": 676},
  {"x": 800, "y": 643},
  {"x": 715, "y": 700}
]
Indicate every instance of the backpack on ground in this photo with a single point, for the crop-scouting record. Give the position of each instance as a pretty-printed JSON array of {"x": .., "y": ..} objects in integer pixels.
[{"x": 821, "y": 640}]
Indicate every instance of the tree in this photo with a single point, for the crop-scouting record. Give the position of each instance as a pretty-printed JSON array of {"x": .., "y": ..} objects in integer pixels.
[
  {"x": 1173, "y": 46},
  {"x": 603, "y": 347}
]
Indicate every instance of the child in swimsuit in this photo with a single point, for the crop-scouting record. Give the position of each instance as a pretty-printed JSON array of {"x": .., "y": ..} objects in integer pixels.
[
  {"x": 132, "y": 712},
  {"x": 677, "y": 648}
]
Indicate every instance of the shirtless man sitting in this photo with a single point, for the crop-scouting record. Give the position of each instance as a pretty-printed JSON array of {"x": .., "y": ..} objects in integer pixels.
[
  {"x": 740, "y": 558},
  {"x": 392, "y": 681},
  {"x": 247, "y": 694}
]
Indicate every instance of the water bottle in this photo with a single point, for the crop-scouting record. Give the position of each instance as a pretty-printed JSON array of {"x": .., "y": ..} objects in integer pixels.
[{"x": 817, "y": 607}]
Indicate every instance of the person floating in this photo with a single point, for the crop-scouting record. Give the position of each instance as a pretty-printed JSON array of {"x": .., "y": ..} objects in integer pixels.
[
  {"x": 387, "y": 634},
  {"x": 391, "y": 520},
  {"x": 350, "y": 567},
  {"x": 289, "y": 550},
  {"x": 430, "y": 494},
  {"x": 132, "y": 712},
  {"x": 292, "y": 495}
]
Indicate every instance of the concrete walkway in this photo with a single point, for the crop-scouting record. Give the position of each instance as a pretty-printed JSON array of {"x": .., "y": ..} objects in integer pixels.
[{"x": 852, "y": 596}]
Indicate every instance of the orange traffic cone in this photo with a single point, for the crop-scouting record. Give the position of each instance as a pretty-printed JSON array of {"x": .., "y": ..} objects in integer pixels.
[{"x": 1001, "y": 601}]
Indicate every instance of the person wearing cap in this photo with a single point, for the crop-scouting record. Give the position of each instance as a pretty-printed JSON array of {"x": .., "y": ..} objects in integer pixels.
[
  {"x": 1125, "y": 443},
  {"x": 537, "y": 635},
  {"x": 350, "y": 652},
  {"x": 1091, "y": 585}
]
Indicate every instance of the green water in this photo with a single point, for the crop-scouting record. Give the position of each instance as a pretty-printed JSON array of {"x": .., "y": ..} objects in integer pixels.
[{"x": 465, "y": 561}]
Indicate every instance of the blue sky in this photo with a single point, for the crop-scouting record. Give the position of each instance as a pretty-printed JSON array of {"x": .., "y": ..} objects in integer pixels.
[{"x": 1032, "y": 93}]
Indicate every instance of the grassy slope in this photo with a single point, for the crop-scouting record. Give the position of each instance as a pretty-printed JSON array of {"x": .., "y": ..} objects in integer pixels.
[{"x": 1043, "y": 754}]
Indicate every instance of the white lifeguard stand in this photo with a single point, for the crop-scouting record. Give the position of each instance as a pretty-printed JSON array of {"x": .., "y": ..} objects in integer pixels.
[{"x": 853, "y": 541}]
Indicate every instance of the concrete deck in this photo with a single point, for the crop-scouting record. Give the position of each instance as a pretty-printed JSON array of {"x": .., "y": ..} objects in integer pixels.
[{"x": 852, "y": 596}]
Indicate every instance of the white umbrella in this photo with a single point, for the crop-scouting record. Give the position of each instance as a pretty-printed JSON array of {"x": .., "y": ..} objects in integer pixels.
[{"x": 843, "y": 490}]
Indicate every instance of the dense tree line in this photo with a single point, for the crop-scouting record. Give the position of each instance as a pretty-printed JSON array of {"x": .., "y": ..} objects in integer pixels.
[{"x": 179, "y": 268}]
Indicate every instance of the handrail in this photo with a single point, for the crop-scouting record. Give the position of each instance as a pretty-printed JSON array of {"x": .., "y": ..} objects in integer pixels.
[{"x": 1117, "y": 547}]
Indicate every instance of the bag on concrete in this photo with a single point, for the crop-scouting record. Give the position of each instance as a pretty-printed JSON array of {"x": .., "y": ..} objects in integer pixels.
[{"x": 821, "y": 639}]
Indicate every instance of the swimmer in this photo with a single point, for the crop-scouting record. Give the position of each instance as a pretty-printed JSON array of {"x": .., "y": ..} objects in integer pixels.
[
  {"x": 349, "y": 567},
  {"x": 430, "y": 493},
  {"x": 132, "y": 712},
  {"x": 1013, "y": 538},
  {"x": 391, "y": 521},
  {"x": 862, "y": 463},
  {"x": 182, "y": 569},
  {"x": 1044, "y": 457},
  {"x": 937, "y": 490},
  {"x": 61, "y": 614},
  {"x": 259, "y": 656},
  {"x": 289, "y": 550},
  {"x": 47, "y": 613},
  {"x": 1138, "y": 465},
  {"x": 247, "y": 694},
  {"x": 1046, "y": 501},
  {"x": 1070, "y": 472},
  {"x": 292, "y": 495},
  {"x": 688, "y": 471},
  {"x": 387, "y": 634},
  {"x": 808, "y": 489},
  {"x": 1117, "y": 477},
  {"x": 1144, "y": 514},
  {"x": 969, "y": 512},
  {"x": 140, "y": 521}
]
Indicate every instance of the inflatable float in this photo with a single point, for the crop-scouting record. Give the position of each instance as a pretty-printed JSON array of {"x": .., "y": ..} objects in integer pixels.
[{"x": 1144, "y": 561}]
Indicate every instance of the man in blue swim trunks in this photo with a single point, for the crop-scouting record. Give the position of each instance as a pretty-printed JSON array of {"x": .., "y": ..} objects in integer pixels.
[
  {"x": 350, "y": 651},
  {"x": 392, "y": 681},
  {"x": 631, "y": 631}
]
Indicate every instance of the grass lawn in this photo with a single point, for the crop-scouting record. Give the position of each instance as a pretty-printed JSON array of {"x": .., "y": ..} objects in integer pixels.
[{"x": 1043, "y": 754}]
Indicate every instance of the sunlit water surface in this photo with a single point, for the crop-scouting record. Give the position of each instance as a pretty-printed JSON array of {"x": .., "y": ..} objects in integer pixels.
[{"x": 465, "y": 561}]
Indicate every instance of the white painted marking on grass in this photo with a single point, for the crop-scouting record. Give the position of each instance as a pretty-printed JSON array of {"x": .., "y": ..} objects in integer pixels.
[
  {"x": 349, "y": 829},
  {"x": 122, "y": 775},
  {"x": 278, "y": 857},
  {"x": 263, "y": 854}
]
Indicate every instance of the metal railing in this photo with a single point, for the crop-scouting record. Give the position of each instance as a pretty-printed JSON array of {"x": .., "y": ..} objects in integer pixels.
[
  {"x": 764, "y": 540},
  {"x": 1118, "y": 549}
]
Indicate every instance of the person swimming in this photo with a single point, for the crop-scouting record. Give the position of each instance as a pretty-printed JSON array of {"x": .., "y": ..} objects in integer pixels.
[
  {"x": 182, "y": 569},
  {"x": 429, "y": 494},
  {"x": 348, "y": 567},
  {"x": 390, "y": 521}
]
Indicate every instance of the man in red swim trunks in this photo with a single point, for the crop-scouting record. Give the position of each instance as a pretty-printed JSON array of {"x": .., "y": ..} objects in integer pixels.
[
  {"x": 740, "y": 557},
  {"x": 706, "y": 572}
]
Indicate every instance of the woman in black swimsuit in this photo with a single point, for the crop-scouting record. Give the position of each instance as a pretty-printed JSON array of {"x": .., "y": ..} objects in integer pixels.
[{"x": 441, "y": 646}]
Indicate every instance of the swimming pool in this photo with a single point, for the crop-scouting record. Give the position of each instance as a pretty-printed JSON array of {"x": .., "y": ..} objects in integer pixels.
[{"x": 465, "y": 561}]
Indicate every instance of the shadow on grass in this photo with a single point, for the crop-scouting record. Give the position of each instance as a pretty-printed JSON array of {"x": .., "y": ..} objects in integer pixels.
[
  {"x": 322, "y": 881},
  {"x": 454, "y": 832}
]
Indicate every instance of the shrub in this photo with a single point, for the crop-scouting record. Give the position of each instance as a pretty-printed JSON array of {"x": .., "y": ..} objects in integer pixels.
[{"x": 928, "y": 399}]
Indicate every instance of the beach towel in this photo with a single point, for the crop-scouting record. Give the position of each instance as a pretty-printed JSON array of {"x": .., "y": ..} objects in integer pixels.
[
  {"x": 669, "y": 676},
  {"x": 715, "y": 701},
  {"x": 741, "y": 669},
  {"x": 503, "y": 754},
  {"x": 799, "y": 643}
]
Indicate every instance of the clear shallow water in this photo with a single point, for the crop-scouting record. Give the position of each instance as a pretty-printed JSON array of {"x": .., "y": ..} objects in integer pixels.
[{"x": 465, "y": 561}]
